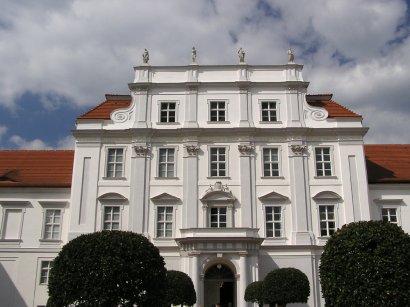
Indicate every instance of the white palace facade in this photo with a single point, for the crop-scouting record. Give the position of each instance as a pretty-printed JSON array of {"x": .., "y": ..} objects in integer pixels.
[{"x": 230, "y": 170}]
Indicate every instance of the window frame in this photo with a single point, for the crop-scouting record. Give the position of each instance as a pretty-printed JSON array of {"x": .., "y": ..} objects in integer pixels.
[
  {"x": 226, "y": 119},
  {"x": 218, "y": 215},
  {"x": 331, "y": 161},
  {"x": 111, "y": 205},
  {"x": 9, "y": 206},
  {"x": 107, "y": 150},
  {"x": 282, "y": 209},
  {"x": 210, "y": 176},
  {"x": 40, "y": 270},
  {"x": 175, "y": 148},
  {"x": 160, "y": 103},
  {"x": 391, "y": 204},
  {"x": 172, "y": 222},
  {"x": 43, "y": 233},
  {"x": 335, "y": 219},
  {"x": 277, "y": 113},
  {"x": 278, "y": 148}
]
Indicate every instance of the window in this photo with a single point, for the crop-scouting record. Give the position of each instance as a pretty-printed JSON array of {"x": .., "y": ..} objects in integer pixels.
[
  {"x": 168, "y": 112},
  {"x": 217, "y": 217},
  {"x": 166, "y": 166},
  {"x": 270, "y": 162},
  {"x": 52, "y": 224},
  {"x": 269, "y": 111},
  {"x": 111, "y": 219},
  {"x": 12, "y": 224},
  {"x": 164, "y": 222},
  {"x": 217, "y": 111},
  {"x": 327, "y": 220},
  {"x": 218, "y": 162},
  {"x": 323, "y": 161},
  {"x": 115, "y": 162},
  {"x": 389, "y": 215},
  {"x": 45, "y": 271},
  {"x": 273, "y": 218}
]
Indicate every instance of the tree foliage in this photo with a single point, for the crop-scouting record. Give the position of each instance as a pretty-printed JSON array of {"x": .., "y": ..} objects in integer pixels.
[
  {"x": 180, "y": 289},
  {"x": 254, "y": 293},
  {"x": 366, "y": 264},
  {"x": 284, "y": 286},
  {"x": 108, "y": 268}
]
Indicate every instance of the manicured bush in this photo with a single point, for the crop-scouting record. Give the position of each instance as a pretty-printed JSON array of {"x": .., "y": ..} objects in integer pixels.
[
  {"x": 366, "y": 264},
  {"x": 180, "y": 289},
  {"x": 284, "y": 286},
  {"x": 254, "y": 293},
  {"x": 108, "y": 268}
]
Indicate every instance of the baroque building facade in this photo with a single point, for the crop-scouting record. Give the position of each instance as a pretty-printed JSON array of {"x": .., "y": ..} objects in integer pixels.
[{"x": 230, "y": 170}]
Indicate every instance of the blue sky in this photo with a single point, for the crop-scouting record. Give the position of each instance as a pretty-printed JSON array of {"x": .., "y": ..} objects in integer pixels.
[{"x": 59, "y": 58}]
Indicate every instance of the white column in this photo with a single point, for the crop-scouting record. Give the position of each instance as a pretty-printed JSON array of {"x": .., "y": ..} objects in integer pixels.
[
  {"x": 196, "y": 278},
  {"x": 245, "y": 151},
  {"x": 190, "y": 212},
  {"x": 243, "y": 279}
]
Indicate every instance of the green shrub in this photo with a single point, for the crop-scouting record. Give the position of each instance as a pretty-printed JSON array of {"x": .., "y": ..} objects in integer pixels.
[
  {"x": 108, "y": 268},
  {"x": 254, "y": 293},
  {"x": 284, "y": 286},
  {"x": 366, "y": 264},
  {"x": 180, "y": 289}
]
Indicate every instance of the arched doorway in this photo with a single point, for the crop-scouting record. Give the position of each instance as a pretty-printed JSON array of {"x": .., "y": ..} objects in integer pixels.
[{"x": 220, "y": 286}]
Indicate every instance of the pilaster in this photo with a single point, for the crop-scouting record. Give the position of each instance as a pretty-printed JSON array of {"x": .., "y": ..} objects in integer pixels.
[
  {"x": 246, "y": 153},
  {"x": 190, "y": 188}
]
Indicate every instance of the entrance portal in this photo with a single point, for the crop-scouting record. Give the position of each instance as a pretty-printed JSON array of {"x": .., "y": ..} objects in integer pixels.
[{"x": 219, "y": 286}]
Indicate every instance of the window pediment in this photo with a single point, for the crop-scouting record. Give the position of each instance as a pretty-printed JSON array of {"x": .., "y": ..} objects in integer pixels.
[
  {"x": 218, "y": 193},
  {"x": 112, "y": 196},
  {"x": 165, "y": 197},
  {"x": 326, "y": 196},
  {"x": 273, "y": 197}
]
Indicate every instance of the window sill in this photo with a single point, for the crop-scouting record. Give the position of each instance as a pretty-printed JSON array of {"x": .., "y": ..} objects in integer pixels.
[
  {"x": 11, "y": 242},
  {"x": 166, "y": 178},
  {"x": 218, "y": 177},
  {"x": 275, "y": 240},
  {"x": 325, "y": 177},
  {"x": 114, "y": 178},
  {"x": 168, "y": 123},
  {"x": 50, "y": 242},
  {"x": 270, "y": 123},
  {"x": 272, "y": 177},
  {"x": 216, "y": 122}
]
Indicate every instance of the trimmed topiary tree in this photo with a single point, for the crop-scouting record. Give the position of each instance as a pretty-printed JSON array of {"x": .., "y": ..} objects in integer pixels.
[
  {"x": 284, "y": 286},
  {"x": 254, "y": 293},
  {"x": 108, "y": 268},
  {"x": 180, "y": 289},
  {"x": 366, "y": 264}
]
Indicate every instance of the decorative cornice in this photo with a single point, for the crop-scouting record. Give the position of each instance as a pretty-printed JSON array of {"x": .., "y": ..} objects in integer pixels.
[
  {"x": 141, "y": 151},
  {"x": 192, "y": 150},
  {"x": 299, "y": 150},
  {"x": 245, "y": 150}
]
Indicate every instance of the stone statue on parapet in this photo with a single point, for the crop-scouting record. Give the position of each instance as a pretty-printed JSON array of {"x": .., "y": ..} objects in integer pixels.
[
  {"x": 193, "y": 55},
  {"x": 291, "y": 57},
  {"x": 145, "y": 56},
  {"x": 241, "y": 55}
]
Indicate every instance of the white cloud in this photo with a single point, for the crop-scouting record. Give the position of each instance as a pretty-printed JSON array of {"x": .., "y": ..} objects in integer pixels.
[
  {"x": 84, "y": 49},
  {"x": 21, "y": 143},
  {"x": 3, "y": 131},
  {"x": 66, "y": 143}
]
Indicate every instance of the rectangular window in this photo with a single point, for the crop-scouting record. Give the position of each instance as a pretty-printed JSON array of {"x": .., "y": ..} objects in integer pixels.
[
  {"x": 270, "y": 162},
  {"x": 11, "y": 228},
  {"x": 323, "y": 161},
  {"x": 52, "y": 224},
  {"x": 111, "y": 219},
  {"x": 218, "y": 162},
  {"x": 327, "y": 220},
  {"x": 273, "y": 217},
  {"x": 166, "y": 167},
  {"x": 115, "y": 162},
  {"x": 217, "y": 217},
  {"x": 164, "y": 222},
  {"x": 389, "y": 215},
  {"x": 217, "y": 111},
  {"x": 269, "y": 111},
  {"x": 45, "y": 271},
  {"x": 168, "y": 111}
]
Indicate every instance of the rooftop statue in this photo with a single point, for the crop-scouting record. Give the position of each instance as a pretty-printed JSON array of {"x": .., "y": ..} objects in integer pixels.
[
  {"x": 145, "y": 56},
  {"x": 193, "y": 54},
  {"x": 291, "y": 57},
  {"x": 241, "y": 55}
]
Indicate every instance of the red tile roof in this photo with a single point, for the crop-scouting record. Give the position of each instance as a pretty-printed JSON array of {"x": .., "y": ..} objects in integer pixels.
[
  {"x": 103, "y": 110},
  {"x": 333, "y": 108},
  {"x": 114, "y": 102},
  {"x": 388, "y": 163},
  {"x": 36, "y": 168}
]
